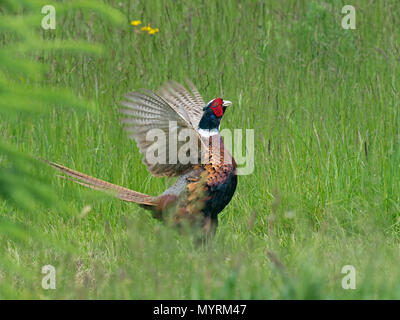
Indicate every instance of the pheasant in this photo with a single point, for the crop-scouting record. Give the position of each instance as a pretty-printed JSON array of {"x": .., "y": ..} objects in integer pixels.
[{"x": 207, "y": 176}]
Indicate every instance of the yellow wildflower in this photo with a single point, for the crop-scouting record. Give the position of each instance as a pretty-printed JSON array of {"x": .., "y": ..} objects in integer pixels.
[
  {"x": 153, "y": 31},
  {"x": 147, "y": 28},
  {"x": 135, "y": 22}
]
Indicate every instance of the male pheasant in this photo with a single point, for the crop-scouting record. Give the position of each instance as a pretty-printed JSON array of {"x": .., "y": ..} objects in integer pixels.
[{"x": 207, "y": 176}]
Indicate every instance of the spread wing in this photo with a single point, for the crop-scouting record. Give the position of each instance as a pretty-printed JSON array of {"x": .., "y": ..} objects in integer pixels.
[
  {"x": 157, "y": 120},
  {"x": 189, "y": 103}
]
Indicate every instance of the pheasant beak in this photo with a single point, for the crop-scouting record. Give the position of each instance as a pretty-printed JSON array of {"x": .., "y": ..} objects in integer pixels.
[{"x": 226, "y": 103}]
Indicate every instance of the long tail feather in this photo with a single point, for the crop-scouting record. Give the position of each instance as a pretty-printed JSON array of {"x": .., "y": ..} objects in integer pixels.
[{"x": 101, "y": 185}]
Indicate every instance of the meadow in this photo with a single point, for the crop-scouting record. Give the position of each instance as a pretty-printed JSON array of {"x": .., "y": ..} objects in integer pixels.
[{"x": 324, "y": 106}]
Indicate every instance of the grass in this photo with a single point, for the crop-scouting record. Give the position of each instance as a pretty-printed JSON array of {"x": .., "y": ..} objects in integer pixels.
[{"x": 325, "y": 192}]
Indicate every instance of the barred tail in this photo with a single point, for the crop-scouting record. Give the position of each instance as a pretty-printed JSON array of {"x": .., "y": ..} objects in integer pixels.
[{"x": 97, "y": 184}]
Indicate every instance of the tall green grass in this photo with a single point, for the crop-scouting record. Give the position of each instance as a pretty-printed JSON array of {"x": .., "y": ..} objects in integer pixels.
[{"x": 324, "y": 106}]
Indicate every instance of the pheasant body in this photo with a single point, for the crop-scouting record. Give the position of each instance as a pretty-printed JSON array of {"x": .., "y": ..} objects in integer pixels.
[
  {"x": 220, "y": 181},
  {"x": 206, "y": 183}
]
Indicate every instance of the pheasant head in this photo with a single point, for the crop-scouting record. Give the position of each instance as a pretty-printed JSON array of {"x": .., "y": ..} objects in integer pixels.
[{"x": 213, "y": 113}]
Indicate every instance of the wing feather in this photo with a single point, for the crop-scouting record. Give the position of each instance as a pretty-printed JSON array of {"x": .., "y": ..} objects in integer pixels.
[{"x": 170, "y": 110}]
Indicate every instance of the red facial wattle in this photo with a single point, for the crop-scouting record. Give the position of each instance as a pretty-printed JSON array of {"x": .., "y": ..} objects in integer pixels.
[{"x": 216, "y": 107}]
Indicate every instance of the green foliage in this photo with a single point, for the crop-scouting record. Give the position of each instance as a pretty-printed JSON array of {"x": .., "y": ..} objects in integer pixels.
[
  {"x": 323, "y": 102},
  {"x": 24, "y": 93}
]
